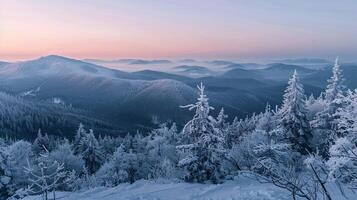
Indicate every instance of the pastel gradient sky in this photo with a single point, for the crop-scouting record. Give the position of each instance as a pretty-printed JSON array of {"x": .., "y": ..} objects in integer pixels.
[{"x": 206, "y": 29}]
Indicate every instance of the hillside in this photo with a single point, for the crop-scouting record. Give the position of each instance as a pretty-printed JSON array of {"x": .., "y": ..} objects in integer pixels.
[
  {"x": 22, "y": 118},
  {"x": 132, "y": 100}
]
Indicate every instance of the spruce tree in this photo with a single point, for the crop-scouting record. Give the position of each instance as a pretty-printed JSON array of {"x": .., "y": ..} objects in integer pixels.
[
  {"x": 202, "y": 154},
  {"x": 293, "y": 116},
  {"x": 325, "y": 122}
]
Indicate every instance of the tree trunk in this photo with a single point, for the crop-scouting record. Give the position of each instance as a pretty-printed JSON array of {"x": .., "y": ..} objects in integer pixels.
[{"x": 54, "y": 194}]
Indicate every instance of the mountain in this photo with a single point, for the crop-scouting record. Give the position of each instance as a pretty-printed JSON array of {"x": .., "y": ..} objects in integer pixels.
[
  {"x": 282, "y": 72},
  {"x": 2, "y": 63},
  {"x": 127, "y": 61},
  {"x": 221, "y": 62},
  {"x": 187, "y": 61},
  {"x": 56, "y": 65},
  {"x": 305, "y": 60},
  {"x": 234, "y": 66},
  {"x": 243, "y": 73},
  {"x": 146, "y": 62},
  {"x": 100, "y": 90},
  {"x": 193, "y": 70},
  {"x": 155, "y": 75}
]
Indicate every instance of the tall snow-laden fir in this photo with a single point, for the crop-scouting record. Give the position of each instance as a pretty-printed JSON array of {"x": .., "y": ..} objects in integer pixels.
[
  {"x": 334, "y": 89},
  {"x": 325, "y": 122},
  {"x": 293, "y": 116},
  {"x": 203, "y": 150}
]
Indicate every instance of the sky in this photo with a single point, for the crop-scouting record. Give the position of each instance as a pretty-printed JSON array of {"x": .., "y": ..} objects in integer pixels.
[{"x": 205, "y": 29}]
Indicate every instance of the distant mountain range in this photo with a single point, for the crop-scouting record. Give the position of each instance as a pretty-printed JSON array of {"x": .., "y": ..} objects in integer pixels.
[
  {"x": 305, "y": 60},
  {"x": 129, "y": 61},
  {"x": 193, "y": 71},
  {"x": 129, "y": 101}
]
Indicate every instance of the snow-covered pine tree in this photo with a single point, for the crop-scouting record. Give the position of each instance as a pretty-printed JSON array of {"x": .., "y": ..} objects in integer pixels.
[
  {"x": 108, "y": 145},
  {"x": 335, "y": 87},
  {"x": 266, "y": 120},
  {"x": 343, "y": 151},
  {"x": 41, "y": 143},
  {"x": 203, "y": 151},
  {"x": 91, "y": 152},
  {"x": 234, "y": 133},
  {"x": 325, "y": 122},
  {"x": 346, "y": 115},
  {"x": 293, "y": 116},
  {"x": 220, "y": 121},
  {"x": 80, "y": 134}
]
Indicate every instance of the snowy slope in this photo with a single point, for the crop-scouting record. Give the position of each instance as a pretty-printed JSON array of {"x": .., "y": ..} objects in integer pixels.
[{"x": 242, "y": 189}]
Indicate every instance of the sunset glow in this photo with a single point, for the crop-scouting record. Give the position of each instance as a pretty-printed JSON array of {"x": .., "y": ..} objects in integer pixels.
[{"x": 177, "y": 29}]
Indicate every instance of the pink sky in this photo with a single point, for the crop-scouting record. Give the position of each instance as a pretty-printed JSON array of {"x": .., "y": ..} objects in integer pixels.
[{"x": 175, "y": 29}]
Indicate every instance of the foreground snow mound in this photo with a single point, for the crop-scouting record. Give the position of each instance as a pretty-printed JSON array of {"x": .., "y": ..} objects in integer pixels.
[{"x": 242, "y": 189}]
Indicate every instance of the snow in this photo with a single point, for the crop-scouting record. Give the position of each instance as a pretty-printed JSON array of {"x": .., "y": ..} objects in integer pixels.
[{"x": 242, "y": 189}]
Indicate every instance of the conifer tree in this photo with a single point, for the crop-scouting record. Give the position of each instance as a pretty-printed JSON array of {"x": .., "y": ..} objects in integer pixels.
[
  {"x": 325, "y": 122},
  {"x": 41, "y": 143},
  {"x": 293, "y": 116},
  {"x": 203, "y": 152}
]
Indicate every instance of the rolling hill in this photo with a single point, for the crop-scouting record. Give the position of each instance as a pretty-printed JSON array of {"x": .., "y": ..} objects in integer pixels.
[{"x": 140, "y": 100}]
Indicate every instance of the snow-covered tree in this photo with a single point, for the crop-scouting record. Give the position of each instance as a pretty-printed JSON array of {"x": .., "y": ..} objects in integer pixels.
[
  {"x": 343, "y": 150},
  {"x": 280, "y": 164},
  {"x": 334, "y": 89},
  {"x": 325, "y": 122},
  {"x": 234, "y": 133},
  {"x": 220, "y": 121},
  {"x": 5, "y": 176},
  {"x": 80, "y": 135},
  {"x": 41, "y": 143},
  {"x": 45, "y": 177},
  {"x": 202, "y": 150},
  {"x": 161, "y": 150},
  {"x": 162, "y": 143},
  {"x": 108, "y": 145},
  {"x": 293, "y": 116},
  {"x": 316, "y": 167},
  {"x": 123, "y": 167},
  {"x": 342, "y": 163},
  {"x": 346, "y": 115},
  {"x": 91, "y": 152},
  {"x": 19, "y": 153},
  {"x": 267, "y": 120},
  {"x": 65, "y": 155}
]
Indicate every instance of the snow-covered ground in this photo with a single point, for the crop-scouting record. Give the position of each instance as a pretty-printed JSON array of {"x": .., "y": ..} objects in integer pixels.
[{"x": 242, "y": 189}]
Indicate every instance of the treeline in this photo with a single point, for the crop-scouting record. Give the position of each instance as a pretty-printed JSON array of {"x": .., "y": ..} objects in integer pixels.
[{"x": 302, "y": 146}]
